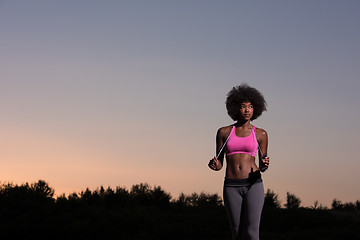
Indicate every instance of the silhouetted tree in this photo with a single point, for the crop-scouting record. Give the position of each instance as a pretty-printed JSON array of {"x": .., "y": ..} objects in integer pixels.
[
  {"x": 200, "y": 200},
  {"x": 38, "y": 194},
  {"x": 73, "y": 197},
  {"x": 86, "y": 195},
  {"x": 122, "y": 195},
  {"x": 336, "y": 204},
  {"x": 142, "y": 193},
  {"x": 357, "y": 204},
  {"x": 181, "y": 200},
  {"x": 292, "y": 201},
  {"x": 28, "y": 210},
  {"x": 316, "y": 204},
  {"x": 271, "y": 200},
  {"x": 160, "y": 197},
  {"x": 209, "y": 200},
  {"x": 192, "y": 200},
  {"x": 42, "y": 189},
  {"x": 348, "y": 206}
]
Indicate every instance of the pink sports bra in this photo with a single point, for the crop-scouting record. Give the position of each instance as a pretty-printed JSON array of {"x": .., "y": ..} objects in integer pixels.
[{"x": 248, "y": 145}]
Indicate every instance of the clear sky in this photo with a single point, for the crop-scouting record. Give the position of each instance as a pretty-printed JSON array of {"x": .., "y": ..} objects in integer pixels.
[{"x": 116, "y": 93}]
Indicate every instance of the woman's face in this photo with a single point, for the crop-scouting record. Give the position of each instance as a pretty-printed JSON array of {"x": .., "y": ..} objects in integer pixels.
[{"x": 246, "y": 111}]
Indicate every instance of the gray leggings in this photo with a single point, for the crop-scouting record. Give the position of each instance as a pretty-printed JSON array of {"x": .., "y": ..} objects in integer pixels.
[{"x": 241, "y": 194}]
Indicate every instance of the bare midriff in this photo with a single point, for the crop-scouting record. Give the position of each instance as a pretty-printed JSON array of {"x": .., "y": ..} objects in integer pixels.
[{"x": 238, "y": 165}]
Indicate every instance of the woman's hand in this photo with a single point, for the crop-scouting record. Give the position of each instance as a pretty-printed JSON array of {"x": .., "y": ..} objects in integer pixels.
[
  {"x": 215, "y": 164},
  {"x": 265, "y": 163}
]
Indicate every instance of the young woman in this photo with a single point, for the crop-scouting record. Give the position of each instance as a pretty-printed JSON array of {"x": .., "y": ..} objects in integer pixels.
[{"x": 243, "y": 187}]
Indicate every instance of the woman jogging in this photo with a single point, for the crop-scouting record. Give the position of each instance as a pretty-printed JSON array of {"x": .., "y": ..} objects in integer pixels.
[{"x": 243, "y": 187}]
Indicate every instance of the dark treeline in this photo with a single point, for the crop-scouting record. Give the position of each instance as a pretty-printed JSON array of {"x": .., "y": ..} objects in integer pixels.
[{"x": 145, "y": 212}]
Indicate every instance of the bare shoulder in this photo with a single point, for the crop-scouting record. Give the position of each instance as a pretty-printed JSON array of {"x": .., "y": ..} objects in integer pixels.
[
  {"x": 261, "y": 133},
  {"x": 224, "y": 131}
]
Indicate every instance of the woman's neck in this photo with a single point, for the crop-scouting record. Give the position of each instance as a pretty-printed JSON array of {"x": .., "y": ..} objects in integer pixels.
[{"x": 243, "y": 124}]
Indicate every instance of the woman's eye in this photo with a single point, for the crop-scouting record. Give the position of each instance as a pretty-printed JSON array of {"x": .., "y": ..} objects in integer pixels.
[{"x": 242, "y": 107}]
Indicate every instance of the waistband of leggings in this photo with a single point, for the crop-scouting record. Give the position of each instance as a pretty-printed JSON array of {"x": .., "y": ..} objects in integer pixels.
[{"x": 229, "y": 182}]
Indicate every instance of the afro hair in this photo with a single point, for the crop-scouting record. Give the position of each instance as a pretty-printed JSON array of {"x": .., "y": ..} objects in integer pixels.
[{"x": 244, "y": 93}]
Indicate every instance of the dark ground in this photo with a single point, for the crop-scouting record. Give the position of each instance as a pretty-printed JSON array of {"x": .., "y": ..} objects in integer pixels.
[{"x": 31, "y": 211}]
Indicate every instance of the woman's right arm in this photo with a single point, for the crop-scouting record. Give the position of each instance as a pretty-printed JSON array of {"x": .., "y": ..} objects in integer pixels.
[{"x": 217, "y": 163}]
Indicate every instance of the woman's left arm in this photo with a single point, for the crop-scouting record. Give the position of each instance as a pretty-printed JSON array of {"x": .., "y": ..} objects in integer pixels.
[{"x": 262, "y": 137}]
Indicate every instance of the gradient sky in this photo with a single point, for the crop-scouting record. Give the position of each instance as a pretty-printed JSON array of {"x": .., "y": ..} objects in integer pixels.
[{"x": 116, "y": 93}]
